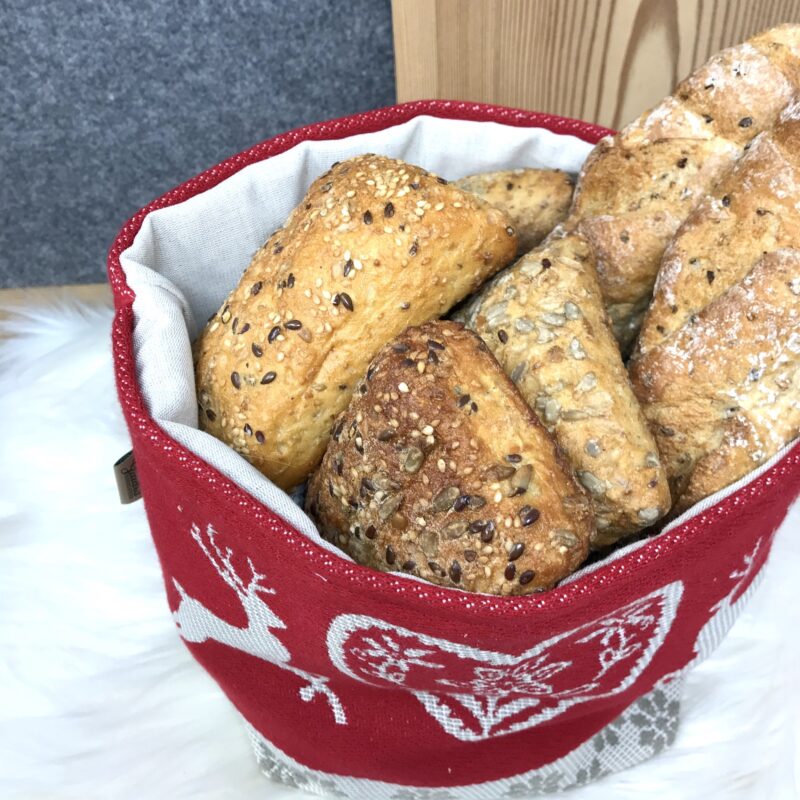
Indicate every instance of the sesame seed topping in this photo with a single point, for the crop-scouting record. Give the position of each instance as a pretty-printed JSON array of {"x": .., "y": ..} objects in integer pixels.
[
  {"x": 257, "y": 351},
  {"x": 269, "y": 377},
  {"x": 236, "y": 380},
  {"x": 293, "y": 325},
  {"x": 274, "y": 334},
  {"x": 259, "y": 437},
  {"x": 403, "y": 387},
  {"x": 368, "y": 217},
  {"x": 502, "y": 336},
  {"x": 388, "y": 210},
  {"x": 256, "y": 287}
]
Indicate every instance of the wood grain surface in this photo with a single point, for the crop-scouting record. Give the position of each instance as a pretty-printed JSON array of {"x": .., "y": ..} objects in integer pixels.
[
  {"x": 15, "y": 301},
  {"x": 599, "y": 60}
]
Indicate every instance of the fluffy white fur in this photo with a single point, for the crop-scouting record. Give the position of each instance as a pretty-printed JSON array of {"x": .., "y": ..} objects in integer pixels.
[{"x": 99, "y": 698}]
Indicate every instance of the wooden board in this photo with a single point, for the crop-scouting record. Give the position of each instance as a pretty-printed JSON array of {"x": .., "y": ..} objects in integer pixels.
[
  {"x": 600, "y": 60},
  {"x": 11, "y": 299}
]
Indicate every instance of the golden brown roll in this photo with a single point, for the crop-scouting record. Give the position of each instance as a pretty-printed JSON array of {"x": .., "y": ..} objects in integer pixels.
[
  {"x": 722, "y": 394},
  {"x": 438, "y": 468},
  {"x": 375, "y": 245},
  {"x": 535, "y": 200},
  {"x": 545, "y": 322}
]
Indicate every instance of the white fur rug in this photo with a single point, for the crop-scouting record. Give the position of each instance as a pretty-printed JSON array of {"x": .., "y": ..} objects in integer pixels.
[{"x": 99, "y": 698}]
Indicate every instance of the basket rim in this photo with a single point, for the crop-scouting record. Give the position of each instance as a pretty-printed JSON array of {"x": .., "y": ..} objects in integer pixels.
[{"x": 347, "y": 574}]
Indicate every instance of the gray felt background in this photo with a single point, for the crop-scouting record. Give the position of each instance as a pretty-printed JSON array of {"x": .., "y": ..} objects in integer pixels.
[{"x": 105, "y": 105}]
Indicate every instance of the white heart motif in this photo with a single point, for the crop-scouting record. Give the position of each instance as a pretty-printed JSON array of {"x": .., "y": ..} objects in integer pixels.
[{"x": 479, "y": 694}]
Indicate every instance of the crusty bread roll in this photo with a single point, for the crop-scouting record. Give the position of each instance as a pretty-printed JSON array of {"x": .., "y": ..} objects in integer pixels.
[
  {"x": 438, "y": 468},
  {"x": 753, "y": 210},
  {"x": 545, "y": 322},
  {"x": 637, "y": 187},
  {"x": 535, "y": 200},
  {"x": 722, "y": 394},
  {"x": 375, "y": 245}
]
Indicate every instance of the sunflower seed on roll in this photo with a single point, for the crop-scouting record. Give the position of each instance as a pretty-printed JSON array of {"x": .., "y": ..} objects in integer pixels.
[{"x": 544, "y": 320}]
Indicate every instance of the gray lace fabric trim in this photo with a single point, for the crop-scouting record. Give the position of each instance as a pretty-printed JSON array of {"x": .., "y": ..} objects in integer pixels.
[{"x": 644, "y": 729}]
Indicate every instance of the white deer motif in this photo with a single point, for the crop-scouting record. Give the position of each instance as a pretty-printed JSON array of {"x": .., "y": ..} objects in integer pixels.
[
  {"x": 726, "y": 610},
  {"x": 197, "y": 624}
]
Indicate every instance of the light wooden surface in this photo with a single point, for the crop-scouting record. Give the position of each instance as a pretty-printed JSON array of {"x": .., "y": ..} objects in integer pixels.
[
  {"x": 600, "y": 60},
  {"x": 11, "y": 299}
]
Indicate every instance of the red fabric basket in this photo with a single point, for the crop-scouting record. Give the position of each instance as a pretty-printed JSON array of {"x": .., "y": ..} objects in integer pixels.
[{"x": 360, "y": 683}]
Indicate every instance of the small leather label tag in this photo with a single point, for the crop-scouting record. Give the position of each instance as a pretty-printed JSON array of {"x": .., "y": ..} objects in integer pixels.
[{"x": 127, "y": 480}]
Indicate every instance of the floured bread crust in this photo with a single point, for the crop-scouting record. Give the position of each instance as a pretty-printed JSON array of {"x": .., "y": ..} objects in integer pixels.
[
  {"x": 753, "y": 210},
  {"x": 722, "y": 394},
  {"x": 637, "y": 187}
]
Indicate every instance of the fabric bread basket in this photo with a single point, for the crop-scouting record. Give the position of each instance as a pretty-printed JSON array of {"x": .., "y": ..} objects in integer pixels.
[{"x": 356, "y": 683}]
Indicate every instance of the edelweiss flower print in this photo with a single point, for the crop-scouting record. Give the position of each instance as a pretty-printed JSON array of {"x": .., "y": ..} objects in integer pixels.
[{"x": 475, "y": 694}]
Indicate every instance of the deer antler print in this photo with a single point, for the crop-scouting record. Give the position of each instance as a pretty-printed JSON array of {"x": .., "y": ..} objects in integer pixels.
[{"x": 198, "y": 624}]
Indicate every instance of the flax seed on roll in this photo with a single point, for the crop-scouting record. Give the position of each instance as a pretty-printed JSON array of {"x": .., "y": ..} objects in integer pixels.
[
  {"x": 439, "y": 469},
  {"x": 375, "y": 245}
]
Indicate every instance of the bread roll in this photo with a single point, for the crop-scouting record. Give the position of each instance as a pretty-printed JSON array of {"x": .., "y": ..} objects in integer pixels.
[
  {"x": 753, "y": 210},
  {"x": 545, "y": 322},
  {"x": 722, "y": 394},
  {"x": 637, "y": 187},
  {"x": 375, "y": 245},
  {"x": 535, "y": 200},
  {"x": 438, "y": 468}
]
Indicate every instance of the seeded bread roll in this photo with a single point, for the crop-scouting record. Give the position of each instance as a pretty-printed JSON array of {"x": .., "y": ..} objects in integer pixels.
[
  {"x": 375, "y": 245},
  {"x": 535, "y": 200},
  {"x": 637, "y": 187},
  {"x": 545, "y": 322},
  {"x": 438, "y": 468},
  {"x": 752, "y": 211},
  {"x": 722, "y": 394}
]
